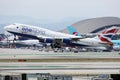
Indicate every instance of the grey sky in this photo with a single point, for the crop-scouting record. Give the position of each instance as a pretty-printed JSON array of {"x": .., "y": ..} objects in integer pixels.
[{"x": 60, "y": 9}]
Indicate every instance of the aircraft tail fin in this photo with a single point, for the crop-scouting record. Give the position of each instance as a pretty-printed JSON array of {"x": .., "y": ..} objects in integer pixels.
[
  {"x": 2, "y": 37},
  {"x": 73, "y": 31},
  {"x": 106, "y": 35},
  {"x": 105, "y": 39},
  {"x": 110, "y": 32}
]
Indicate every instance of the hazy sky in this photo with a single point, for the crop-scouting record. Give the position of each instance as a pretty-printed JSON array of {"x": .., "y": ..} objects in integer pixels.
[{"x": 60, "y": 9}]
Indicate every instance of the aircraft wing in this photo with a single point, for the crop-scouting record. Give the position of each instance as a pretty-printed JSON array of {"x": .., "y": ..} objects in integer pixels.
[{"x": 59, "y": 39}]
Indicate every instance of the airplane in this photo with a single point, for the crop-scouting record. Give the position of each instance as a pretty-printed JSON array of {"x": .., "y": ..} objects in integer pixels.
[
  {"x": 116, "y": 45},
  {"x": 8, "y": 38},
  {"x": 49, "y": 36},
  {"x": 29, "y": 42},
  {"x": 107, "y": 33},
  {"x": 43, "y": 35}
]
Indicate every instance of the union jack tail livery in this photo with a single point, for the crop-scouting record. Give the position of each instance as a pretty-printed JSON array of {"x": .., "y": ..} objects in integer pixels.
[
  {"x": 75, "y": 33},
  {"x": 111, "y": 30},
  {"x": 105, "y": 39},
  {"x": 107, "y": 35}
]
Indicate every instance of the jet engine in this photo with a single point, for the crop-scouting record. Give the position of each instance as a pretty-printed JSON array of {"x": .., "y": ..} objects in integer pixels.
[
  {"x": 66, "y": 40},
  {"x": 46, "y": 40}
]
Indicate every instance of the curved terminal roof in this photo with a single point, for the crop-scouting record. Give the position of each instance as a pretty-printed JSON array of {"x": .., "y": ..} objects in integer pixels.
[{"x": 95, "y": 25}]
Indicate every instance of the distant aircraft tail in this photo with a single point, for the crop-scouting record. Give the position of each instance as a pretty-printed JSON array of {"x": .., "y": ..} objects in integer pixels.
[
  {"x": 105, "y": 39},
  {"x": 73, "y": 31},
  {"x": 111, "y": 30},
  {"x": 10, "y": 37},
  {"x": 2, "y": 37},
  {"x": 106, "y": 35}
]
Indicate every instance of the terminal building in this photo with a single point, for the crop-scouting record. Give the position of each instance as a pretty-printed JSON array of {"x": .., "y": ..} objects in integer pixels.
[{"x": 95, "y": 25}]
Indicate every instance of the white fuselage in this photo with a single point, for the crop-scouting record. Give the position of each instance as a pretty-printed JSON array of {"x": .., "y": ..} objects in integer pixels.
[
  {"x": 36, "y": 31},
  {"x": 93, "y": 42},
  {"x": 39, "y": 32}
]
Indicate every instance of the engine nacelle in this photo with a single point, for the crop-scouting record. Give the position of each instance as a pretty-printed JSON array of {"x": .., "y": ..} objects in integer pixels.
[
  {"x": 66, "y": 40},
  {"x": 47, "y": 40},
  {"x": 50, "y": 40}
]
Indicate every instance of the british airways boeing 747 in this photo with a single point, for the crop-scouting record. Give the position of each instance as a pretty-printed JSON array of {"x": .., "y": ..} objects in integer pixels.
[{"x": 48, "y": 36}]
